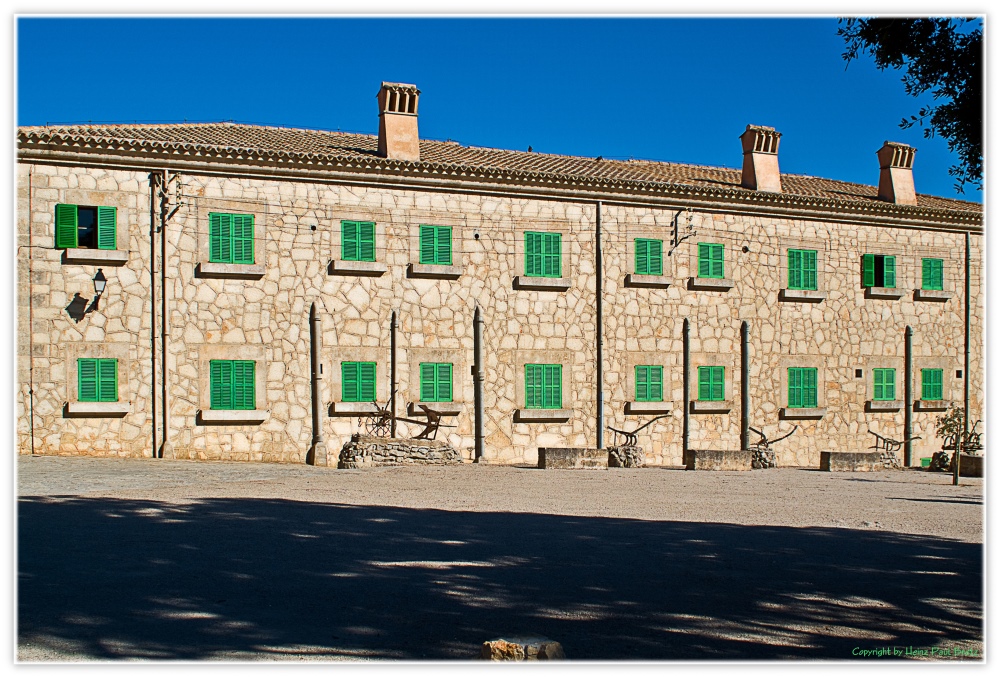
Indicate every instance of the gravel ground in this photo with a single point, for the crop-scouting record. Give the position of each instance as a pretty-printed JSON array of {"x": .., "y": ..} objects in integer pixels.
[{"x": 179, "y": 560}]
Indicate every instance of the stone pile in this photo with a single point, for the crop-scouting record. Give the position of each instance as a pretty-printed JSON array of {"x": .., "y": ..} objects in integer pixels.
[
  {"x": 626, "y": 456},
  {"x": 521, "y": 649},
  {"x": 764, "y": 458},
  {"x": 368, "y": 451}
]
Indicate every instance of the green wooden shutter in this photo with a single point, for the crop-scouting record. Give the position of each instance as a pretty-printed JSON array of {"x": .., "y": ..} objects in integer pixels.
[
  {"x": 242, "y": 238},
  {"x": 243, "y": 385},
  {"x": 349, "y": 240},
  {"x": 366, "y": 372},
  {"x": 718, "y": 269},
  {"x": 350, "y": 384},
  {"x": 890, "y": 272},
  {"x": 552, "y": 387},
  {"x": 868, "y": 270},
  {"x": 933, "y": 274},
  {"x": 221, "y": 384},
  {"x": 427, "y": 379},
  {"x": 552, "y": 255},
  {"x": 107, "y": 218},
  {"x": 718, "y": 383},
  {"x": 711, "y": 260},
  {"x": 794, "y": 274},
  {"x": 656, "y": 383},
  {"x": 444, "y": 385},
  {"x": 366, "y": 241},
  {"x": 532, "y": 254},
  {"x": 809, "y": 280},
  {"x": 810, "y": 387},
  {"x": 794, "y": 387},
  {"x": 107, "y": 380},
  {"x": 427, "y": 245},
  {"x": 885, "y": 384},
  {"x": 86, "y": 370},
  {"x": 533, "y": 386},
  {"x": 641, "y": 257},
  {"x": 931, "y": 382},
  {"x": 704, "y": 383},
  {"x": 641, "y": 383},
  {"x": 66, "y": 226},
  {"x": 220, "y": 238}
]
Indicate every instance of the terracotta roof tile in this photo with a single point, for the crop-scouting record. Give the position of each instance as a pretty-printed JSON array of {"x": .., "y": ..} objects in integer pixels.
[{"x": 448, "y": 153}]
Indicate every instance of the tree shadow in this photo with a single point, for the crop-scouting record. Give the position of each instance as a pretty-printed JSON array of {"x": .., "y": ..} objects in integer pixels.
[{"x": 117, "y": 579}]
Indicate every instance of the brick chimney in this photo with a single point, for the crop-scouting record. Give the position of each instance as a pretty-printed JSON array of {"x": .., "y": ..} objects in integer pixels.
[
  {"x": 760, "y": 159},
  {"x": 895, "y": 179},
  {"x": 397, "y": 128}
]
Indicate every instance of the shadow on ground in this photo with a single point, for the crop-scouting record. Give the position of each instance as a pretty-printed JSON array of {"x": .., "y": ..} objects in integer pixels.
[{"x": 116, "y": 579}]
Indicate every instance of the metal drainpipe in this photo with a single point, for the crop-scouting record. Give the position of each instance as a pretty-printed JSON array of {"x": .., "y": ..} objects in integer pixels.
[
  {"x": 392, "y": 375},
  {"x": 477, "y": 381},
  {"x": 599, "y": 272},
  {"x": 152, "y": 306},
  {"x": 31, "y": 315},
  {"x": 317, "y": 455},
  {"x": 965, "y": 371},
  {"x": 686, "y": 396},
  {"x": 166, "y": 450},
  {"x": 908, "y": 396},
  {"x": 744, "y": 385}
]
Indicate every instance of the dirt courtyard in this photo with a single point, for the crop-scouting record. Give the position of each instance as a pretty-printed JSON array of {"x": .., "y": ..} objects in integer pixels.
[{"x": 181, "y": 560}]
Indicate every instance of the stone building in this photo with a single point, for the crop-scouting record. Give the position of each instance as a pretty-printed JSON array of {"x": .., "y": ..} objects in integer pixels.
[{"x": 213, "y": 242}]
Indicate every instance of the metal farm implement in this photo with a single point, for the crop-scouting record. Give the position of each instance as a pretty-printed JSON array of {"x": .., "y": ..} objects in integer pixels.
[
  {"x": 382, "y": 422},
  {"x": 763, "y": 455}
]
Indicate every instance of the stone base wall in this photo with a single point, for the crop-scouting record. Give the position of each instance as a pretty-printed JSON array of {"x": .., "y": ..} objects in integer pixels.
[
  {"x": 718, "y": 460},
  {"x": 368, "y": 451},
  {"x": 572, "y": 457},
  {"x": 850, "y": 461}
]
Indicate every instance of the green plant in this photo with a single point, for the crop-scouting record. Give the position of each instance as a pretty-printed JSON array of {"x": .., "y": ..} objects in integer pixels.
[{"x": 950, "y": 426}]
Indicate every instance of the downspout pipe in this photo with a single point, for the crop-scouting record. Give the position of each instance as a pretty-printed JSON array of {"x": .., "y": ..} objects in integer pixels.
[
  {"x": 317, "y": 454},
  {"x": 599, "y": 271},
  {"x": 744, "y": 385},
  {"x": 31, "y": 311},
  {"x": 153, "y": 176},
  {"x": 686, "y": 394},
  {"x": 957, "y": 472},
  {"x": 166, "y": 449},
  {"x": 392, "y": 375},
  {"x": 477, "y": 382},
  {"x": 908, "y": 396}
]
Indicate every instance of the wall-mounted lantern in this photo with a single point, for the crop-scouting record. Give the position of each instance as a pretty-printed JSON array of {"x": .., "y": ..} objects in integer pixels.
[{"x": 100, "y": 282}]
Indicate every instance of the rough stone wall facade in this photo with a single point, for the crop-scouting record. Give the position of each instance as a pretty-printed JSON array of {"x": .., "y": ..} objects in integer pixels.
[{"x": 264, "y": 316}]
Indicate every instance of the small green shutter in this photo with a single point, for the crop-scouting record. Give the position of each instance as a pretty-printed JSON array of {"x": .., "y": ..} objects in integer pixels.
[
  {"x": 648, "y": 256},
  {"x": 552, "y": 255},
  {"x": 933, "y": 274},
  {"x": 243, "y": 385},
  {"x": 794, "y": 275},
  {"x": 890, "y": 272},
  {"x": 242, "y": 238},
  {"x": 885, "y": 384},
  {"x": 711, "y": 260},
  {"x": 349, "y": 382},
  {"x": 810, "y": 388},
  {"x": 349, "y": 240},
  {"x": 932, "y": 387},
  {"x": 649, "y": 383},
  {"x": 532, "y": 254},
  {"x": 106, "y": 222},
  {"x": 552, "y": 387},
  {"x": 802, "y": 387},
  {"x": 427, "y": 379},
  {"x": 868, "y": 270},
  {"x": 366, "y": 241},
  {"x": 427, "y": 245},
  {"x": 809, "y": 280},
  {"x": 794, "y": 387},
  {"x": 533, "y": 386},
  {"x": 86, "y": 369},
  {"x": 711, "y": 383},
  {"x": 66, "y": 226},
  {"x": 444, "y": 383},
  {"x": 107, "y": 380},
  {"x": 802, "y": 269},
  {"x": 221, "y": 384},
  {"x": 366, "y": 380},
  {"x": 220, "y": 238}
]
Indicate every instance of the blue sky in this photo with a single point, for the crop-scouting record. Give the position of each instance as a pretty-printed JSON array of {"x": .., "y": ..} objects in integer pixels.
[{"x": 673, "y": 89}]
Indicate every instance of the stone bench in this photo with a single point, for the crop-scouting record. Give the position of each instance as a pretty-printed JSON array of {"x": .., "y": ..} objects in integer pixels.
[
  {"x": 718, "y": 460},
  {"x": 572, "y": 457},
  {"x": 850, "y": 461}
]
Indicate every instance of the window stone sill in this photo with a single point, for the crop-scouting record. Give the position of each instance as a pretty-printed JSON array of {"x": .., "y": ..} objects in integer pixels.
[
  {"x": 83, "y": 255},
  {"x": 349, "y": 409},
  {"x": 436, "y": 271},
  {"x": 811, "y": 296},
  {"x": 714, "y": 284},
  {"x": 711, "y": 406},
  {"x": 930, "y": 405},
  {"x": 801, "y": 412},
  {"x": 78, "y": 409},
  {"x": 369, "y": 268},
  {"x": 523, "y": 282},
  {"x": 883, "y": 405},
  {"x": 654, "y": 281},
  {"x": 526, "y": 415},
  {"x": 931, "y": 295},
  {"x": 648, "y": 407},
  {"x": 232, "y": 416},
  {"x": 208, "y": 269},
  {"x": 447, "y": 409},
  {"x": 883, "y": 293}
]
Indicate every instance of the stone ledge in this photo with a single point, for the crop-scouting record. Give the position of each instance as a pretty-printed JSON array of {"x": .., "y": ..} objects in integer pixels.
[
  {"x": 718, "y": 460},
  {"x": 883, "y": 293},
  {"x": 712, "y": 284},
  {"x": 83, "y": 255},
  {"x": 809, "y": 296},
  {"x": 368, "y": 268},
  {"x": 525, "y": 415},
  {"x": 801, "y": 412},
  {"x": 450, "y": 409},
  {"x": 337, "y": 409},
  {"x": 930, "y": 405},
  {"x": 711, "y": 406},
  {"x": 655, "y": 281},
  {"x": 522, "y": 282},
  {"x": 78, "y": 409},
  {"x": 231, "y": 417},
  {"x": 435, "y": 271},
  {"x": 883, "y": 405},
  {"x": 572, "y": 458},
  {"x": 931, "y": 295},
  {"x": 648, "y": 408},
  {"x": 212, "y": 269},
  {"x": 850, "y": 461}
]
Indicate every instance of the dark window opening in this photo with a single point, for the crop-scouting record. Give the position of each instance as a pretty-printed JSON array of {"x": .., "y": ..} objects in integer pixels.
[
  {"x": 858, "y": 373},
  {"x": 958, "y": 374},
  {"x": 86, "y": 227}
]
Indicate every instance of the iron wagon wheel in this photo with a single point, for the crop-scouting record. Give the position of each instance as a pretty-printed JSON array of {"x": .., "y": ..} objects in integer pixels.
[{"x": 377, "y": 425}]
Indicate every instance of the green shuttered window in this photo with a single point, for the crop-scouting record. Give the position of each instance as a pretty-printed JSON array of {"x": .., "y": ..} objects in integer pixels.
[
  {"x": 802, "y": 390},
  {"x": 933, "y": 274},
  {"x": 357, "y": 382},
  {"x": 710, "y": 260},
  {"x": 543, "y": 387},
  {"x": 931, "y": 384},
  {"x": 435, "y": 383},
  {"x": 712, "y": 383},
  {"x": 802, "y": 270},
  {"x": 649, "y": 383},
  {"x": 648, "y": 256},
  {"x": 97, "y": 380},
  {"x": 357, "y": 240},
  {"x": 878, "y": 270},
  {"x": 885, "y": 383},
  {"x": 542, "y": 255},
  {"x": 232, "y": 384},
  {"x": 87, "y": 227},
  {"x": 230, "y": 238},
  {"x": 435, "y": 245}
]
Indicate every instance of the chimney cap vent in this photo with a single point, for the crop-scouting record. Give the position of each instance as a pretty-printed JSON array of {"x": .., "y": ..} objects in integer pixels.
[
  {"x": 760, "y": 139},
  {"x": 895, "y": 154}
]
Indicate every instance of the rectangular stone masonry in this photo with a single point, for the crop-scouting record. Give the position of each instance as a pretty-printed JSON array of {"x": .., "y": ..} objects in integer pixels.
[
  {"x": 572, "y": 457},
  {"x": 850, "y": 461},
  {"x": 971, "y": 466},
  {"x": 718, "y": 460}
]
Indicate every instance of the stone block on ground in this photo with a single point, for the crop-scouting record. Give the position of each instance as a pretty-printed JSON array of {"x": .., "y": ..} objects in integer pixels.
[
  {"x": 626, "y": 456},
  {"x": 850, "y": 461},
  {"x": 718, "y": 460},
  {"x": 572, "y": 458},
  {"x": 971, "y": 466},
  {"x": 521, "y": 649},
  {"x": 369, "y": 451}
]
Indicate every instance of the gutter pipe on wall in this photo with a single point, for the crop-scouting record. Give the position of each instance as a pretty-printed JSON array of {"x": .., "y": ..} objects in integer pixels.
[
  {"x": 31, "y": 313},
  {"x": 477, "y": 381},
  {"x": 317, "y": 455},
  {"x": 965, "y": 367},
  {"x": 599, "y": 270},
  {"x": 908, "y": 396},
  {"x": 686, "y": 396},
  {"x": 392, "y": 375},
  {"x": 166, "y": 450},
  {"x": 744, "y": 385},
  {"x": 153, "y": 176}
]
